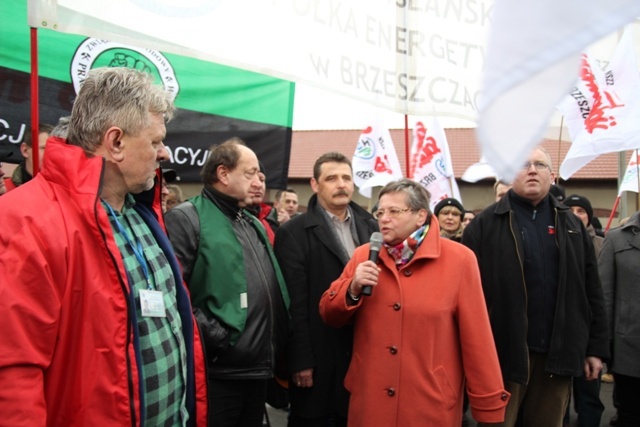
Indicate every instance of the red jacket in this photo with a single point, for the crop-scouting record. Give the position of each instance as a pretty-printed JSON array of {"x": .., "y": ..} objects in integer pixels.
[
  {"x": 423, "y": 330},
  {"x": 8, "y": 183},
  {"x": 68, "y": 350}
]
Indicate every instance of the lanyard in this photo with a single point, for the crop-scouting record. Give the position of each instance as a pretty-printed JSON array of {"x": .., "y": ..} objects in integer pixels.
[{"x": 137, "y": 248}]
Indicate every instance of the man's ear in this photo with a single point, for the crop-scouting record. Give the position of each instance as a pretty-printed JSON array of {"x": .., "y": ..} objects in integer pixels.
[
  {"x": 24, "y": 149},
  {"x": 114, "y": 144},
  {"x": 223, "y": 174},
  {"x": 314, "y": 185}
]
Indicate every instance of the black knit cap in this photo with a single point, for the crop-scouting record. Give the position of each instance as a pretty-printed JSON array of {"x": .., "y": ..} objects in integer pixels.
[
  {"x": 583, "y": 202},
  {"x": 170, "y": 175},
  {"x": 450, "y": 201}
]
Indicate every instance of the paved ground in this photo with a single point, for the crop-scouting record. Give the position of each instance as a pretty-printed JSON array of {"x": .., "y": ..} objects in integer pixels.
[{"x": 278, "y": 418}]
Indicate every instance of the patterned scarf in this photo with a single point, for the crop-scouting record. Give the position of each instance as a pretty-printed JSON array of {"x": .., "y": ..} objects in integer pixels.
[{"x": 403, "y": 252}]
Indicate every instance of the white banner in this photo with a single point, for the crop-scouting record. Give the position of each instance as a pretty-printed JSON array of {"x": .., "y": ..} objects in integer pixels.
[
  {"x": 375, "y": 162},
  {"x": 602, "y": 111},
  {"x": 407, "y": 56},
  {"x": 430, "y": 161},
  {"x": 630, "y": 179},
  {"x": 533, "y": 55}
]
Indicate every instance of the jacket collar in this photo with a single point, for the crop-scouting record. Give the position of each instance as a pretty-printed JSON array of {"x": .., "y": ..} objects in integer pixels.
[
  {"x": 633, "y": 227},
  {"x": 503, "y": 206},
  {"x": 633, "y": 222},
  {"x": 227, "y": 204},
  {"x": 70, "y": 167},
  {"x": 430, "y": 248}
]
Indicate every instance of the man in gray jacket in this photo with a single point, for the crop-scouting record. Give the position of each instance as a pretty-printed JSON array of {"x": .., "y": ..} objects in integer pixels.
[
  {"x": 237, "y": 290},
  {"x": 620, "y": 276}
]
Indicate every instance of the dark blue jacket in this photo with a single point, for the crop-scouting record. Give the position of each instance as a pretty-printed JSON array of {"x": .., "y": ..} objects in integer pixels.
[{"x": 580, "y": 323}]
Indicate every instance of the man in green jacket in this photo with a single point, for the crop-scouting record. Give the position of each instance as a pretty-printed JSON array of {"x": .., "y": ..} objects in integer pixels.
[{"x": 237, "y": 290}]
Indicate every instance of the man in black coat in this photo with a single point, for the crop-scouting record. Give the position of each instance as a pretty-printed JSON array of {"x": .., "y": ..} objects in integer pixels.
[
  {"x": 543, "y": 294},
  {"x": 312, "y": 250}
]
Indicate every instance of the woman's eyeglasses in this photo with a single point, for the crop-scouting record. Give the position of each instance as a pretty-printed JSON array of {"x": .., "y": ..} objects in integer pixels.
[{"x": 391, "y": 212}]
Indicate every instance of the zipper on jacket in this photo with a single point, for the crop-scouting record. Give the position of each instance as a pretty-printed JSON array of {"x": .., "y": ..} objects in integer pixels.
[
  {"x": 244, "y": 223},
  {"x": 526, "y": 302},
  {"x": 132, "y": 407}
]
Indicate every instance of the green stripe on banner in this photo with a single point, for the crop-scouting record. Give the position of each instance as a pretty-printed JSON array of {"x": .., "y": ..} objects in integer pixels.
[{"x": 214, "y": 101}]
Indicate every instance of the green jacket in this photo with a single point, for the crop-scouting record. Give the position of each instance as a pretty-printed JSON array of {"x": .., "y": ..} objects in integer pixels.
[{"x": 218, "y": 281}]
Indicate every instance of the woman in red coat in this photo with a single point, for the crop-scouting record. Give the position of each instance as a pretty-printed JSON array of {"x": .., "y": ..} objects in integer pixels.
[{"x": 423, "y": 330}]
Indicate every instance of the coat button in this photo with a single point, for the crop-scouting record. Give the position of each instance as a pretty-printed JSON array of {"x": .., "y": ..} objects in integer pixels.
[
  {"x": 332, "y": 293},
  {"x": 407, "y": 273},
  {"x": 397, "y": 306},
  {"x": 391, "y": 392},
  {"x": 504, "y": 396},
  {"x": 393, "y": 349}
]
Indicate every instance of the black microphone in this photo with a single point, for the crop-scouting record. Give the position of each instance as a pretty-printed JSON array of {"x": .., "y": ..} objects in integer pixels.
[{"x": 374, "y": 251}]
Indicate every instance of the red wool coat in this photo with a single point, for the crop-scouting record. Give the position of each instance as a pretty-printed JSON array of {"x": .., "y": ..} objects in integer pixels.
[{"x": 416, "y": 338}]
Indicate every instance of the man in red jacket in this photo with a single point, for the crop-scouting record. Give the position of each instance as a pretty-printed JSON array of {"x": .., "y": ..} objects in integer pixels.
[{"x": 97, "y": 324}]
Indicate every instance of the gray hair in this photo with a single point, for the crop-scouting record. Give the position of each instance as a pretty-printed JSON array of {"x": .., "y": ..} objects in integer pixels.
[
  {"x": 417, "y": 196},
  {"x": 121, "y": 97},
  {"x": 62, "y": 128}
]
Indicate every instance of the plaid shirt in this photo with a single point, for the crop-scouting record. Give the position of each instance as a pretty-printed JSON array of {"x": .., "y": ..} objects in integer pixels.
[{"x": 161, "y": 341}]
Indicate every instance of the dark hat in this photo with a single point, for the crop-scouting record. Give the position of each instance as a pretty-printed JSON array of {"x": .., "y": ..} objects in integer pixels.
[
  {"x": 583, "y": 202},
  {"x": 450, "y": 201},
  {"x": 557, "y": 191},
  {"x": 170, "y": 175}
]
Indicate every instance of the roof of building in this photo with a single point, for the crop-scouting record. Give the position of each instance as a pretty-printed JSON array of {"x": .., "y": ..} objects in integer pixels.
[{"x": 307, "y": 146}]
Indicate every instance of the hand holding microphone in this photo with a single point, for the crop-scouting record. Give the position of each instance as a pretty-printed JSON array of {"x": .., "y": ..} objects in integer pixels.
[{"x": 374, "y": 251}]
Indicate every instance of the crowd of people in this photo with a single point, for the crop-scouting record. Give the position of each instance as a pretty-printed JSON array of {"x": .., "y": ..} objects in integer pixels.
[{"x": 125, "y": 304}]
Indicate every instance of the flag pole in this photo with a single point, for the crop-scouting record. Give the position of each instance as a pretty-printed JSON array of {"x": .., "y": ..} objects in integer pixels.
[
  {"x": 613, "y": 212},
  {"x": 635, "y": 153},
  {"x": 406, "y": 145},
  {"x": 560, "y": 143},
  {"x": 35, "y": 119}
]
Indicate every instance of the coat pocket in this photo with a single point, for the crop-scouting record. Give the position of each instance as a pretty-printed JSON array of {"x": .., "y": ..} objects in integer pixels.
[{"x": 448, "y": 395}]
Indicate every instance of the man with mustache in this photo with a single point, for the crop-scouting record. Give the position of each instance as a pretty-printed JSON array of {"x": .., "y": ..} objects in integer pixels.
[
  {"x": 541, "y": 285},
  {"x": 312, "y": 250}
]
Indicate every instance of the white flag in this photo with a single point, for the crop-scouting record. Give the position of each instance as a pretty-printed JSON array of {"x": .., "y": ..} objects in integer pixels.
[
  {"x": 478, "y": 171},
  {"x": 430, "y": 163},
  {"x": 533, "y": 55},
  {"x": 375, "y": 162},
  {"x": 630, "y": 179},
  {"x": 602, "y": 111}
]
